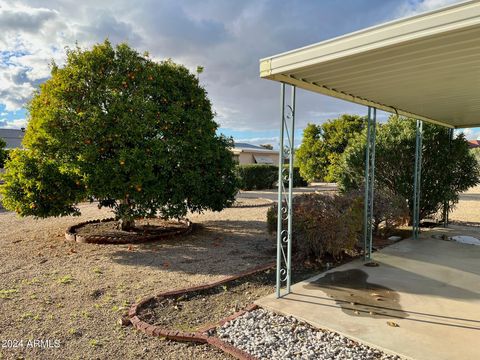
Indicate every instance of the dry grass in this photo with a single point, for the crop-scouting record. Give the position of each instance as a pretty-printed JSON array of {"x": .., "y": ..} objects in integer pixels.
[{"x": 75, "y": 293}]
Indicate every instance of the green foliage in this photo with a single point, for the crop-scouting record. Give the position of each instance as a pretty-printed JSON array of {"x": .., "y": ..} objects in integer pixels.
[
  {"x": 3, "y": 153},
  {"x": 257, "y": 176},
  {"x": 260, "y": 177},
  {"x": 298, "y": 180},
  {"x": 323, "y": 224},
  {"x": 322, "y": 146},
  {"x": 476, "y": 153},
  {"x": 38, "y": 185},
  {"x": 447, "y": 169},
  {"x": 117, "y": 127}
]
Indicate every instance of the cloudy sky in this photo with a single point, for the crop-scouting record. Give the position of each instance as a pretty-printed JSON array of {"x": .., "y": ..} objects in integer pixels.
[{"x": 227, "y": 37}]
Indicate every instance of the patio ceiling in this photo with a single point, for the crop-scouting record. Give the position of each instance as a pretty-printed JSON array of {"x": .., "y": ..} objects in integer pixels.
[{"x": 426, "y": 67}]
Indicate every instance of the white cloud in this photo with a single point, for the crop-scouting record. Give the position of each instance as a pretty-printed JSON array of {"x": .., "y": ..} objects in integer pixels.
[
  {"x": 411, "y": 8},
  {"x": 260, "y": 140},
  {"x": 226, "y": 37},
  {"x": 13, "y": 124}
]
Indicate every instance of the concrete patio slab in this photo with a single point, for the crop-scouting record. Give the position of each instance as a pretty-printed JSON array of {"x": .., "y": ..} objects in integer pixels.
[{"x": 421, "y": 302}]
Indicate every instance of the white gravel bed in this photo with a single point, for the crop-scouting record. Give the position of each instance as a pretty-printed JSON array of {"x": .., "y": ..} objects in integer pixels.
[{"x": 267, "y": 335}]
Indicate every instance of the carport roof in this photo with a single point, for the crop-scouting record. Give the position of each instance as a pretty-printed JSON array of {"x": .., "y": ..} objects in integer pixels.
[{"x": 426, "y": 66}]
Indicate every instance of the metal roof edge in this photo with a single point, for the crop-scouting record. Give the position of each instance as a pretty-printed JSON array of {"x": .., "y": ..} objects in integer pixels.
[
  {"x": 351, "y": 98},
  {"x": 371, "y": 28}
]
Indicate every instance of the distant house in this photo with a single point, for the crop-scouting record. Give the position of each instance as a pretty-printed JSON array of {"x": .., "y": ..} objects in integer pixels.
[
  {"x": 472, "y": 144},
  {"x": 13, "y": 137},
  {"x": 244, "y": 153}
]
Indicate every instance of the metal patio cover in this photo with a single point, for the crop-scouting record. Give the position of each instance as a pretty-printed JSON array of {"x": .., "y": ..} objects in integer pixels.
[{"x": 425, "y": 67}]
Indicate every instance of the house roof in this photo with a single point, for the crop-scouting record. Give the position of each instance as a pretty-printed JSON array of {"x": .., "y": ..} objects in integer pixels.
[
  {"x": 13, "y": 137},
  {"x": 474, "y": 143},
  {"x": 245, "y": 147},
  {"x": 426, "y": 66}
]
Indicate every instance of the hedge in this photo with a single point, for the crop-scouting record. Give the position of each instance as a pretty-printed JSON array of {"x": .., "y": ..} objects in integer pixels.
[{"x": 260, "y": 177}]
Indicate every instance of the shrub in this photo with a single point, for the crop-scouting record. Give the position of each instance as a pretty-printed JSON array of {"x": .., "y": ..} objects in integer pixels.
[
  {"x": 476, "y": 153},
  {"x": 298, "y": 180},
  {"x": 115, "y": 126},
  {"x": 3, "y": 153},
  {"x": 257, "y": 176},
  {"x": 323, "y": 224},
  {"x": 322, "y": 146},
  {"x": 447, "y": 168},
  {"x": 390, "y": 210}
]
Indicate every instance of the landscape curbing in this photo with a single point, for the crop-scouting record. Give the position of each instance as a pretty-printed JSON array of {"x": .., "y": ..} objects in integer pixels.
[
  {"x": 267, "y": 202},
  {"x": 202, "y": 334},
  {"x": 71, "y": 235}
]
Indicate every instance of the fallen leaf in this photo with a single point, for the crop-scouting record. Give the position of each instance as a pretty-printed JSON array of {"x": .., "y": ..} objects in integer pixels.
[{"x": 392, "y": 324}]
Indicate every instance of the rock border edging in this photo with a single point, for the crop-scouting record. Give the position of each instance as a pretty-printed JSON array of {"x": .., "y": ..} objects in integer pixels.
[
  {"x": 201, "y": 335},
  {"x": 267, "y": 202},
  {"x": 71, "y": 235}
]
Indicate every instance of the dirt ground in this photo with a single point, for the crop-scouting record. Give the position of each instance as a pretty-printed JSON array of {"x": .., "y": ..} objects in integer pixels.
[
  {"x": 197, "y": 310},
  {"x": 71, "y": 295},
  {"x": 467, "y": 211},
  {"x": 62, "y": 300}
]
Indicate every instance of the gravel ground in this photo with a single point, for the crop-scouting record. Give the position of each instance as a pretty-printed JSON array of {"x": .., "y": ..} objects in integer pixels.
[
  {"x": 269, "y": 336},
  {"x": 51, "y": 289}
]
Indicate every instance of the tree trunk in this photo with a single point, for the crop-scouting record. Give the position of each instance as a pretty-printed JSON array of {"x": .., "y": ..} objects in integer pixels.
[
  {"x": 126, "y": 221},
  {"x": 126, "y": 224}
]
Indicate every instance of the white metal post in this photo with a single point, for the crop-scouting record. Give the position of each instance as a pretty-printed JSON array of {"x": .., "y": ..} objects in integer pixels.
[
  {"x": 290, "y": 191},
  {"x": 280, "y": 194}
]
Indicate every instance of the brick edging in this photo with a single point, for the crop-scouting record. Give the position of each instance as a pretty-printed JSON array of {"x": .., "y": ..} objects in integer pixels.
[
  {"x": 71, "y": 235},
  {"x": 201, "y": 335},
  {"x": 267, "y": 202}
]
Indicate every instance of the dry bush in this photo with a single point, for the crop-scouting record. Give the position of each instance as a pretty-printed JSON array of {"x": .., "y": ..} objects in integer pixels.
[
  {"x": 323, "y": 224},
  {"x": 390, "y": 210}
]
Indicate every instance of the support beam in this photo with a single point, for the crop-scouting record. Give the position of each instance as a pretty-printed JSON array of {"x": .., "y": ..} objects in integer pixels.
[
  {"x": 417, "y": 177},
  {"x": 446, "y": 204},
  {"x": 280, "y": 193},
  {"x": 285, "y": 196},
  {"x": 369, "y": 183},
  {"x": 290, "y": 190}
]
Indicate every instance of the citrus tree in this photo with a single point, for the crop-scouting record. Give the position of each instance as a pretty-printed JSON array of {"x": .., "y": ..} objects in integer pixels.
[{"x": 116, "y": 127}]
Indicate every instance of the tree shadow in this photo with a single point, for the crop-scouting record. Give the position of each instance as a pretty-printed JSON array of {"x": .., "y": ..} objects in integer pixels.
[{"x": 220, "y": 247}]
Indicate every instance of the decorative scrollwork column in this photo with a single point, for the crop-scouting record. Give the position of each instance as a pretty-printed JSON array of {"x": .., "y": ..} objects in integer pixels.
[{"x": 285, "y": 196}]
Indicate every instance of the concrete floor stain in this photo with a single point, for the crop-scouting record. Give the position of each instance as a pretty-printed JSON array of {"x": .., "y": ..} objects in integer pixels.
[{"x": 357, "y": 297}]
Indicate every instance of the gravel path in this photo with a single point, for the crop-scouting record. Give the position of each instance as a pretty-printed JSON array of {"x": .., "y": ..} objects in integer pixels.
[{"x": 266, "y": 335}]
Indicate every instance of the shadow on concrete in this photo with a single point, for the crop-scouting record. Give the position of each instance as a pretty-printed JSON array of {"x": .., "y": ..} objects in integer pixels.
[{"x": 473, "y": 324}]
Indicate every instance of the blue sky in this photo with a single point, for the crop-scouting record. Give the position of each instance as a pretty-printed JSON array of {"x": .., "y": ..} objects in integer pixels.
[{"x": 226, "y": 37}]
